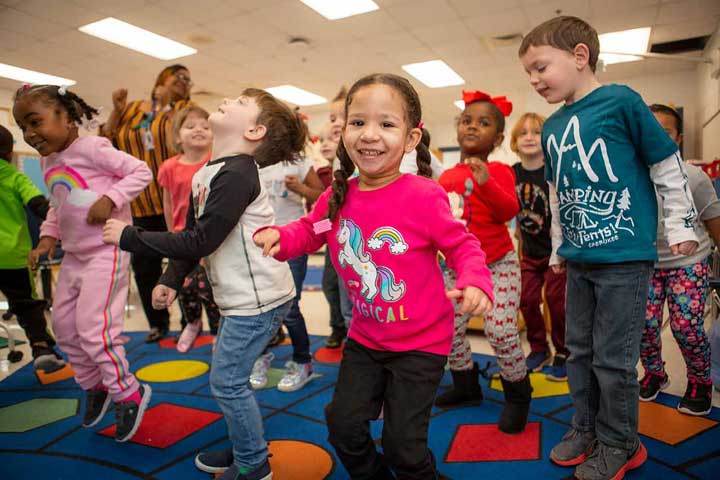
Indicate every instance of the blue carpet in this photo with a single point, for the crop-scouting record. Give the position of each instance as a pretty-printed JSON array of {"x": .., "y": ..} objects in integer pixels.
[{"x": 63, "y": 450}]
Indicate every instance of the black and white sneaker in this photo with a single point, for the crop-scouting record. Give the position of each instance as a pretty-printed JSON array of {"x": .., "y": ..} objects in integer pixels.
[
  {"x": 214, "y": 462},
  {"x": 97, "y": 403},
  {"x": 128, "y": 415},
  {"x": 651, "y": 385},
  {"x": 46, "y": 358}
]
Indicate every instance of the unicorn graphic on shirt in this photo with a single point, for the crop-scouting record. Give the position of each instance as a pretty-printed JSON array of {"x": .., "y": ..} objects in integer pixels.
[{"x": 352, "y": 253}]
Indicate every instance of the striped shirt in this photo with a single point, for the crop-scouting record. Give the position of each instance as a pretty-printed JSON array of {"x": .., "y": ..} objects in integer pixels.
[{"x": 128, "y": 137}]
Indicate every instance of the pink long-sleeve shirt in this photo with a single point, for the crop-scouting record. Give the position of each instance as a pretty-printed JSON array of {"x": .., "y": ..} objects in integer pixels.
[
  {"x": 383, "y": 244},
  {"x": 80, "y": 175}
]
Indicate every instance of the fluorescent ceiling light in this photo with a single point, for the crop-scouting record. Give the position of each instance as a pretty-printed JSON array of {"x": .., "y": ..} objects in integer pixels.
[
  {"x": 622, "y": 45},
  {"x": 296, "y": 95},
  {"x": 336, "y": 9},
  {"x": 434, "y": 73},
  {"x": 31, "y": 76},
  {"x": 459, "y": 104},
  {"x": 135, "y": 38}
]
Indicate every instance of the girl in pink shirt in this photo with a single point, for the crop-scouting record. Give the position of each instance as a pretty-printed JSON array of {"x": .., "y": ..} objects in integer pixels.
[
  {"x": 383, "y": 230},
  {"x": 191, "y": 135},
  {"x": 89, "y": 181}
]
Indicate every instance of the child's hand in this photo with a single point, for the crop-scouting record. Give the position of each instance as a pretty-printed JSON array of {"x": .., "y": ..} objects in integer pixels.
[
  {"x": 163, "y": 296},
  {"x": 479, "y": 169},
  {"x": 268, "y": 240},
  {"x": 119, "y": 99},
  {"x": 474, "y": 300},
  {"x": 684, "y": 248},
  {"x": 112, "y": 231},
  {"x": 294, "y": 184},
  {"x": 46, "y": 246},
  {"x": 100, "y": 211},
  {"x": 558, "y": 268}
]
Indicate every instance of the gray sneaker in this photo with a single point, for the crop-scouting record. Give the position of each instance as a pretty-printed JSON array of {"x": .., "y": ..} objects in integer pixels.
[
  {"x": 573, "y": 449},
  {"x": 610, "y": 463}
]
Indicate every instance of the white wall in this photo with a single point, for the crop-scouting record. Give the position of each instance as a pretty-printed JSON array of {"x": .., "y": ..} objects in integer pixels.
[{"x": 709, "y": 101}]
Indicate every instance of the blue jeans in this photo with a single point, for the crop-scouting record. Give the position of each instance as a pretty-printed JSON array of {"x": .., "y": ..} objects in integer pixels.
[
  {"x": 336, "y": 295},
  {"x": 294, "y": 321},
  {"x": 605, "y": 318},
  {"x": 240, "y": 341}
]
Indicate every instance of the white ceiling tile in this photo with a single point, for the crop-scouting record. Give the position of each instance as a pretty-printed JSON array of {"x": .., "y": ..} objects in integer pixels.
[
  {"x": 608, "y": 7},
  {"x": 501, "y": 23},
  {"x": 423, "y": 12},
  {"x": 454, "y": 32},
  {"x": 111, "y": 7},
  {"x": 64, "y": 12},
  {"x": 17, "y": 21},
  {"x": 539, "y": 12},
  {"x": 634, "y": 18},
  {"x": 210, "y": 9},
  {"x": 688, "y": 10},
  {"x": 459, "y": 52},
  {"x": 476, "y": 8},
  {"x": 359, "y": 26}
]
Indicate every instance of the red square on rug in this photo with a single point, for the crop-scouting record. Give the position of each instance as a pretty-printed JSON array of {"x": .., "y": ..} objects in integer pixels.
[
  {"x": 166, "y": 424},
  {"x": 200, "y": 341},
  {"x": 486, "y": 443}
]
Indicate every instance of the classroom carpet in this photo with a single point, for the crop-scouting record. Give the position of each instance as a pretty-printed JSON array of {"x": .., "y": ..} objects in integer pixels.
[{"x": 41, "y": 437}]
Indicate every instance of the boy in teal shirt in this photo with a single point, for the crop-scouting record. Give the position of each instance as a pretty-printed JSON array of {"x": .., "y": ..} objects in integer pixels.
[
  {"x": 605, "y": 154},
  {"x": 16, "y": 280}
]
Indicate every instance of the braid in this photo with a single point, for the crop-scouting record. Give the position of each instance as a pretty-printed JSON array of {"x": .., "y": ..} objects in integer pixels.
[
  {"x": 423, "y": 160},
  {"x": 77, "y": 109},
  {"x": 340, "y": 184}
]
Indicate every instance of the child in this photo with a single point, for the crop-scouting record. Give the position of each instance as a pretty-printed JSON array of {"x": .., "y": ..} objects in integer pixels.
[
  {"x": 684, "y": 281},
  {"x": 190, "y": 133},
  {"x": 377, "y": 228},
  {"x": 254, "y": 293},
  {"x": 289, "y": 184},
  {"x": 604, "y": 151},
  {"x": 89, "y": 181},
  {"x": 333, "y": 286},
  {"x": 16, "y": 281},
  {"x": 488, "y": 191},
  {"x": 533, "y": 222}
]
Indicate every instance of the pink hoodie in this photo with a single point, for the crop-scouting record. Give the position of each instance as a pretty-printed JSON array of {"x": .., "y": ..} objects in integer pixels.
[
  {"x": 384, "y": 245},
  {"x": 80, "y": 175}
]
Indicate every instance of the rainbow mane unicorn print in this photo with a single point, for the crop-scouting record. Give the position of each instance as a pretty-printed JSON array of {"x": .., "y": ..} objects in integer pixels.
[{"x": 352, "y": 253}]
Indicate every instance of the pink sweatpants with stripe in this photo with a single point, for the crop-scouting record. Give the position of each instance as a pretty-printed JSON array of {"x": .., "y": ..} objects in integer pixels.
[{"x": 87, "y": 319}]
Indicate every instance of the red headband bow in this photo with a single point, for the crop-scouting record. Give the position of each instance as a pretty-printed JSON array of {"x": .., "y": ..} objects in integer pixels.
[{"x": 503, "y": 104}]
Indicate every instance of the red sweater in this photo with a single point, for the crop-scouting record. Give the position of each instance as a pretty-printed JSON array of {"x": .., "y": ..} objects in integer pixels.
[{"x": 487, "y": 207}]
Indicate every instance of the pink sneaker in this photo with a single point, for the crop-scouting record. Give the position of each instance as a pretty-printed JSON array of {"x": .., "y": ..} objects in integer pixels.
[{"x": 188, "y": 336}]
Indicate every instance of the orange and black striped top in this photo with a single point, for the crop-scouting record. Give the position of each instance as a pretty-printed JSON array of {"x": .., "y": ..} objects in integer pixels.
[{"x": 128, "y": 137}]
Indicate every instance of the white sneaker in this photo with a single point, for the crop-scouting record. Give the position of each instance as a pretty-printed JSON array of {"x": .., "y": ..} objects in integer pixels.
[
  {"x": 298, "y": 374},
  {"x": 258, "y": 377}
]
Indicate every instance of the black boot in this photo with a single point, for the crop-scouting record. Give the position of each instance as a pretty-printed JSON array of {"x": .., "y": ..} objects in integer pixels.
[
  {"x": 517, "y": 404},
  {"x": 466, "y": 389}
]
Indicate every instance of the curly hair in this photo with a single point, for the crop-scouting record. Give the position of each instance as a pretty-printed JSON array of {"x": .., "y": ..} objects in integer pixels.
[{"x": 413, "y": 115}]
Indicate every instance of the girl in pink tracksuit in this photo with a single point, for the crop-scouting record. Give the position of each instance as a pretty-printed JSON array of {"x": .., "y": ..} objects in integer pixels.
[{"x": 89, "y": 181}]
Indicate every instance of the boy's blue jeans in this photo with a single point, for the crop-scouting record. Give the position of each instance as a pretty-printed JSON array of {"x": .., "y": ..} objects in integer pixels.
[
  {"x": 605, "y": 317},
  {"x": 240, "y": 341}
]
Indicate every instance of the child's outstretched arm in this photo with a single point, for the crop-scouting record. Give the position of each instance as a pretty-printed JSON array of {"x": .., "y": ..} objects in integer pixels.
[
  {"x": 463, "y": 254},
  {"x": 679, "y": 212},
  {"x": 299, "y": 237}
]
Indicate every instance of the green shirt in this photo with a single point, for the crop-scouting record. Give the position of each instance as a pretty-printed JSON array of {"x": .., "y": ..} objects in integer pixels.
[{"x": 16, "y": 190}]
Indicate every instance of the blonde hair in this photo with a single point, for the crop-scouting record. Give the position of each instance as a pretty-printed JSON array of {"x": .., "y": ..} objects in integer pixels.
[
  {"x": 177, "y": 123},
  {"x": 536, "y": 117}
]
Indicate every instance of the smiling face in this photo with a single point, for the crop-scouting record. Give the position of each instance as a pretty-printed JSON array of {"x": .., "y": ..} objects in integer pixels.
[
  {"x": 555, "y": 74},
  {"x": 376, "y": 135},
  {"x": 477, "y": 131},
  {"x": 195, "y": 133},
  {"x": 179, "y": 85},
  {"x": 529, "y": 139},
  {"x": 46, "y": 127}
]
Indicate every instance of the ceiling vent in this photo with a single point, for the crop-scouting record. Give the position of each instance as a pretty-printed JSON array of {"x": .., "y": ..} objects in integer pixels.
[{"x": 685, "y": 45}]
